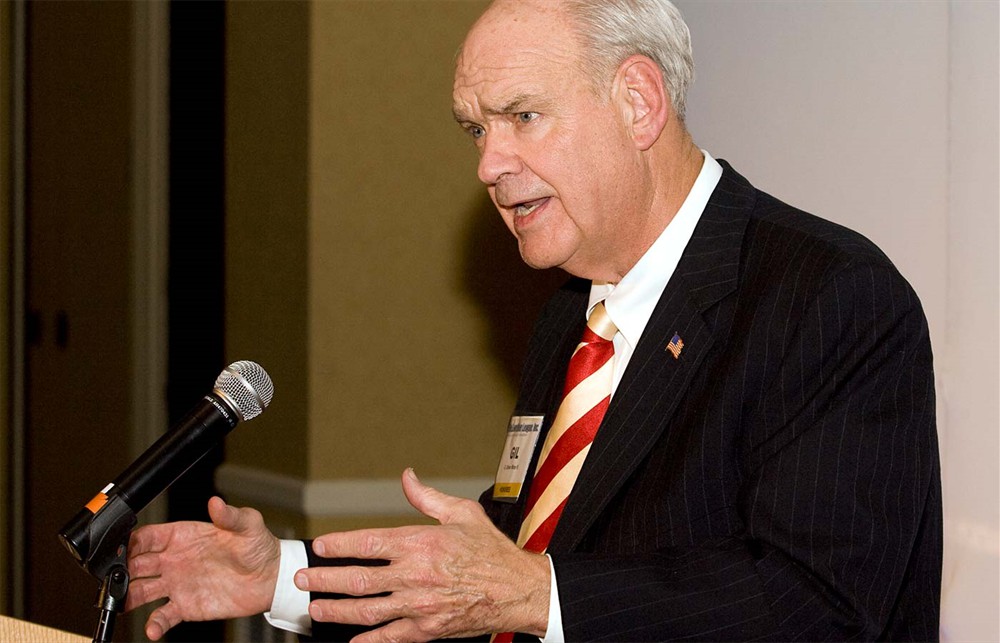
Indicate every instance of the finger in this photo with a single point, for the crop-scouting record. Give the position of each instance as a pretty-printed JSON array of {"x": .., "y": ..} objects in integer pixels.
[
  {"x": 150, "y": 538},
  {"x": 402, "y": 630},
  {"x": 144, "y": 565},
  {"x": 359, "y": 611},
  {"x": 162, "y": 619},
  {"x": 144, "y": 590},
  {"x": 364, "y": 543},
  {"x": 433, "y": 503},
  {"x": 350, "y": 580}
]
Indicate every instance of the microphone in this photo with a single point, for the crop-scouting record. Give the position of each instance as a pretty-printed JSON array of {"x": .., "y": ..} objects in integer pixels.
[{"x": 242, "y": 392}]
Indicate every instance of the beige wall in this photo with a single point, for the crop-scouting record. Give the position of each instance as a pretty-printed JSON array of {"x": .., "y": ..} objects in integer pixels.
[
  {"x": 399, "y": 374},
  {"x": 968, "y": 364},
  {"x": 267, "y": 219},
  {"x": 366, "y": 269}
]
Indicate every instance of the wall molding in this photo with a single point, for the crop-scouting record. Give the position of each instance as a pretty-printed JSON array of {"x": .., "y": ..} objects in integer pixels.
[{"x": 333, "y": 498}]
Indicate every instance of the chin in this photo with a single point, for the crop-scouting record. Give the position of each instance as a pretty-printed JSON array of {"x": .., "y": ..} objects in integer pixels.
[
  {"x": 535, "y": 263},
  {"x": 537, "y": 258}
]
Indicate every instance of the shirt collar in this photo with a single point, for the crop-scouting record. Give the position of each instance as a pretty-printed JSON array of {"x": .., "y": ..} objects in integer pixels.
[{"x": 630, "y": 303}]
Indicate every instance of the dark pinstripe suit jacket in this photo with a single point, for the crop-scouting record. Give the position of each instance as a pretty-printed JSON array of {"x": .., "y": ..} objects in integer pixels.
[{"x": 779, "y": 481}]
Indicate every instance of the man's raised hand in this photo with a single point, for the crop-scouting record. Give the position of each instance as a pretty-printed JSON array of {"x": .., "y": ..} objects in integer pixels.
[
  {"x": 218, "y": 570},
  {"x": 459, "y": 578}
]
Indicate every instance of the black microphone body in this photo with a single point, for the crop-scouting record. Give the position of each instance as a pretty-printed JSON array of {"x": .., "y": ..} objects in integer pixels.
[
  {"x": 96, "y": 532},
  {"x": 175, "y": 452}
]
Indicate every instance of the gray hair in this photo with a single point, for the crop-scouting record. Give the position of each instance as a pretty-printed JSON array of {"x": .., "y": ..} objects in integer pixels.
[{"x": 612, "y": 30}]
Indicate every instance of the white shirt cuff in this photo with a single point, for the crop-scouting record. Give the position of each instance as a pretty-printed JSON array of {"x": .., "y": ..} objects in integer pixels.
[
  {"x": 554, "y": 632},
  {"x": 290, "y": 606}
]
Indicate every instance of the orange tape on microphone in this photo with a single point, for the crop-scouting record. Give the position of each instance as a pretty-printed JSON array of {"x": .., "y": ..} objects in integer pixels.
[{"x": 97, "y": 502}]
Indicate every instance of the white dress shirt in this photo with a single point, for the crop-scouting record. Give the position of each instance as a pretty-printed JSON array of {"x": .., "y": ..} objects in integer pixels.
[{"x": 630, "y": 304}]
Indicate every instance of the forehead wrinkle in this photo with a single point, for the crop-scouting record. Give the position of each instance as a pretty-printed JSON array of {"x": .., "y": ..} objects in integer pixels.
[
  {"x": 493, "y": 78},
  {"x": 503, "y": 90},
  {"x": 484, "y": 96}
]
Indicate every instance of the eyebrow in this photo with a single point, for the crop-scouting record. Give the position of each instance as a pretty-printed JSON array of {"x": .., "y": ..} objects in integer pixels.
[{"x": 514, "y": 105}]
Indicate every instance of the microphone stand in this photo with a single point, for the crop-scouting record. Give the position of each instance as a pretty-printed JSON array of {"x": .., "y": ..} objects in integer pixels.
[{"x": 112, "y": 595}]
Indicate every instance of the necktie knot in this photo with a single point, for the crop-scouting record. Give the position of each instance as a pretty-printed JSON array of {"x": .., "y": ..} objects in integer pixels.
[{"x": 600, "y": 324}]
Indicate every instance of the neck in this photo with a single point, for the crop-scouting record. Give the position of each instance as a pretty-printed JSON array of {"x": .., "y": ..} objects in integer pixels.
[{"x": 672, "y": 170}]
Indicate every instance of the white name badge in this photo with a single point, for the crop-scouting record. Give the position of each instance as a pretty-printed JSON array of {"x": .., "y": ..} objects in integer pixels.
[{"x": 522, "y": 436}]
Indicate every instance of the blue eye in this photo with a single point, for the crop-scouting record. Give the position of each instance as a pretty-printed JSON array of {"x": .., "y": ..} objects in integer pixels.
[
  {"x": 475, "y": 131},
  {"x": 526, "y": 117}
]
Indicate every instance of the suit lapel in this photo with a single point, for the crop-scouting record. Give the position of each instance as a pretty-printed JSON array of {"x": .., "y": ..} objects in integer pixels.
[{"x": 655, "y": 381}]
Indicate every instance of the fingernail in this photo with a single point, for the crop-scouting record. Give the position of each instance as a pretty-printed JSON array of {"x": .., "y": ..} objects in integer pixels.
[
  {"x": 314, "y": 611},
  {"x": 302, "y": 581},
  {"x": 413, "y": 474},
  {"x": 319, "y": 548}
]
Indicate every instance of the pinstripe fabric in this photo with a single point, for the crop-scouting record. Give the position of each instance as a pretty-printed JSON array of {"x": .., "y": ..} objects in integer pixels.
[{"x": 780, "y": 480}]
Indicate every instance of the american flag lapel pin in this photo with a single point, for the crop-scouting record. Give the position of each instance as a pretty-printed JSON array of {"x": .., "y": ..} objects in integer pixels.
[{"x": 675, "y": 346}]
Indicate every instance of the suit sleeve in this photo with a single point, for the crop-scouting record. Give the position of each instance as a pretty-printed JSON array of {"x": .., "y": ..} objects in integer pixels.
[{"x": 839, "y": 496}]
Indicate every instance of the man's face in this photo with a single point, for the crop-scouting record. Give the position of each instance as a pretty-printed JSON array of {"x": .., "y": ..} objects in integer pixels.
[{"x": 556, "y": 158}]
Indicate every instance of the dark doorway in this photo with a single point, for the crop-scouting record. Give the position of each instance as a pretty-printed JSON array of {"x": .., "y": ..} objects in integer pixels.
[
  {"x": 78, "y": 358},
  {"x": 80, "y": 108},
  {"x": 196, "y": 289}
]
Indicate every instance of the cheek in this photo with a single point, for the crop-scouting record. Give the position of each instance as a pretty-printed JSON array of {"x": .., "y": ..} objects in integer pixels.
[
  {"x": 607, "y": 171},
  {"x": 588, "y": 156}
]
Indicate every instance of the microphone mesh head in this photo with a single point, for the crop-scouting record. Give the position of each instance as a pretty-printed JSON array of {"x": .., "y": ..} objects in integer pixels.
[{"x": 247, "y": 386}]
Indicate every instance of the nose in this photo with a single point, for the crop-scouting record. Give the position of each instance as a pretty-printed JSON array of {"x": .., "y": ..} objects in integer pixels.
[{"x": 498, "y": 157}]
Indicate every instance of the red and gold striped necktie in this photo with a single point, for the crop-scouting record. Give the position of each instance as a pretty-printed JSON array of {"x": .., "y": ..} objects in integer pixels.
[
  {"x": 586, "y": 396},
  {"x": 585, "y": 399}
]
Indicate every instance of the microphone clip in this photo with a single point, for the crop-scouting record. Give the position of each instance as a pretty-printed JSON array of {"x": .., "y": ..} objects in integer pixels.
[
  {"x": 95, "y": 539},
  {"x": 99, "y": 542}
]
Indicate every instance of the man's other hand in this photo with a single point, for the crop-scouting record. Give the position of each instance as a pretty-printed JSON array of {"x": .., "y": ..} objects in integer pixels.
[
  {"x": 218, "y": 570},
  {"x": 460, "y": 578}
]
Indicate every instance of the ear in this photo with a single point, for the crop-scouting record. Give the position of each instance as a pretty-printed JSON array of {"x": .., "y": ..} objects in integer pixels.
[{"x": 644, "y": 99}]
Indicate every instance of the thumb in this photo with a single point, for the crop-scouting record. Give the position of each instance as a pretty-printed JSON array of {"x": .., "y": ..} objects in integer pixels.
[
  {"x": 428, "y": 500},
  {"x": 226, "y": 516}
]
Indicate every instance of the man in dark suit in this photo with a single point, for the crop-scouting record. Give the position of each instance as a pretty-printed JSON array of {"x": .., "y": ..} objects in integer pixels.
[{"x": 763, "y": 460}]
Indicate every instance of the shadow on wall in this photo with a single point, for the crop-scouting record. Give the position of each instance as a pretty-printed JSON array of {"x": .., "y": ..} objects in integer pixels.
[{"x": 509, "y": 293}]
